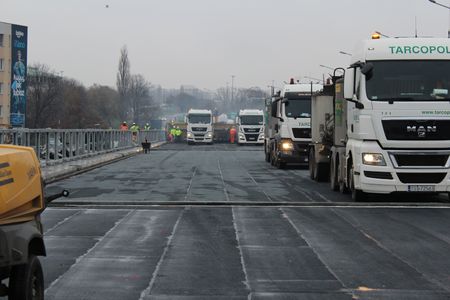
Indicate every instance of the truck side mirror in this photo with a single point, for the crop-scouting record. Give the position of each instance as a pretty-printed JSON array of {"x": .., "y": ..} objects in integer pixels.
[{"x": 349, "y": 83}]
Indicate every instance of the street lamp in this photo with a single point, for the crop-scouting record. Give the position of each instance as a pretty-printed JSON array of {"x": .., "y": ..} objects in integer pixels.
[
  {"x": 437, "y": 3},
  {"x": 386, "y": 36},
  {"x": 326, "y": 67},
  {"x": 345, "y": 53},
  {"x": 445, "y": 6},
  {"x": 232, "y": 88}
]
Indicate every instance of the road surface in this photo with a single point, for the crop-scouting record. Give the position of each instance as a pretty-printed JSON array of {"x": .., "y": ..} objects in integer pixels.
[{"x": 252, "y": 232}]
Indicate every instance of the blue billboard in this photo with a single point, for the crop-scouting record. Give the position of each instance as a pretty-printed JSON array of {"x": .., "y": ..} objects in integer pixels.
[{"x": 19, "y": 37}]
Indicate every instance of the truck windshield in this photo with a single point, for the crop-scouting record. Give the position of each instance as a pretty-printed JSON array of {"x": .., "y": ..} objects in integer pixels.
[
  {"x": 298, "y": 108},
  {"x": 200, "y": 119},
  {"x": 251, "y": 120},
  {"x": 412, "y": 80}
]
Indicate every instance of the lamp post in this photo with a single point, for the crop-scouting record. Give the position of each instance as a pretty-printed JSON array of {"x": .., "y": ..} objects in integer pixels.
[
  {"x": 232, "y": 88},
  {"x": 326, "y": 67},
  {"x": 345, "y": 53},
  {"x": 386, "y": 36},
  {"x": 445, "y": 6}
]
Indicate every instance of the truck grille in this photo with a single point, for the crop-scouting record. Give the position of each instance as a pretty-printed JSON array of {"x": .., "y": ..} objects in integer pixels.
[
  {"x": 251, "y": 130},
  {"x": 412, "y": 130},
  {"x": 412, "y": 160},
  {"x": 251, "y": 137},
  {"x": 300, "y": 133},
  {"x": 199, "y": 128},
  {"x": 421, "y": 177}
]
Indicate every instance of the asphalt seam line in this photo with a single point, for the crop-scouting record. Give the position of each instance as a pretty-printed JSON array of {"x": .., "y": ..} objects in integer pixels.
[
  {"x": 148, "y": 290},
  {"x": 81, "y": 257}
]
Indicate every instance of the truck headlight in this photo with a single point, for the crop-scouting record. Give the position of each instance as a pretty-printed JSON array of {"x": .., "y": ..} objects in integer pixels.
[
  {"x": 287, "y": 145},
  {"x": 373, "y": 159},
  {"x": 189, "y": 134},
  {"x": 209, "y": 135}
]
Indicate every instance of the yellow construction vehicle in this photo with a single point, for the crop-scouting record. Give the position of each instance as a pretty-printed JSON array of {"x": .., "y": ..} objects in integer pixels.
[{"x": 21, "y": 235}]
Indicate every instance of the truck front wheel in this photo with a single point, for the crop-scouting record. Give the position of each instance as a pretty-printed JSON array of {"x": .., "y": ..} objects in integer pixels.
[
  {"x": 266, "y": 153},
  {"x": 27, "y": 281},
  {"x": 357, "y": 195},
  {"x": 312, "y": 165},
  {"x": 333, "y": 175}
]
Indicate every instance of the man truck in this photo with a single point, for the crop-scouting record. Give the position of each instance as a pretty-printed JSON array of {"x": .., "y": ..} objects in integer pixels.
[
  {"x": 288, "y": 128},
  {"x": 391, "y": 120},
  {"x": 250, "y": 124},
  {"x": 199, "y": 127}
]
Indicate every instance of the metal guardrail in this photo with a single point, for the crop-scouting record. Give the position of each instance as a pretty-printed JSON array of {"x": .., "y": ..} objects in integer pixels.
[{"x": 54, "y": 146}]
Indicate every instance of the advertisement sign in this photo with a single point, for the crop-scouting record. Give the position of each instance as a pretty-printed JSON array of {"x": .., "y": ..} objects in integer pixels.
[{"x": 19, "y": 37}]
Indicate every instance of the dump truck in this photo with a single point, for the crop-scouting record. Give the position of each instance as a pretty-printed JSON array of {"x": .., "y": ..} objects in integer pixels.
[
  {"x": 21, "y": 234},
  {"x": 322, "y": 131},
  {"x": 392, "y": 119},
  {"x": 287, "y": 133}
]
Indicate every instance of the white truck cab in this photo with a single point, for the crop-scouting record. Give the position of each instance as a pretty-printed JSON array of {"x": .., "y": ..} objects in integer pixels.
[
  {"x": 199, "y": 126},
  {"x": 288, "y": 129},
  {"x": 250, "y": 124},
  {"x": 394, "y": 116}
]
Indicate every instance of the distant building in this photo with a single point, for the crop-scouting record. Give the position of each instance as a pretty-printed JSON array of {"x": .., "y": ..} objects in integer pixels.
[{"x": 13, "y": 74}]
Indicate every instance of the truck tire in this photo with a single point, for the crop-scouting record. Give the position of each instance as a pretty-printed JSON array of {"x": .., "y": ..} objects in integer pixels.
[
  {"x": 342, "y": 186},
  {"x": 322, "y": 172},
  {"x": 280, "y": 165},
  {"x": 27, "y": 281},
  {"x": 312, "y": 166},
  {"x": 266, "y": 154},
  {"x": 333, "y": 175},
  {"x": 357, "y": 195}
]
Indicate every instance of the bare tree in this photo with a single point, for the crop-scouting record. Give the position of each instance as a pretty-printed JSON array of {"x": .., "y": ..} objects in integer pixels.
[
  {"x": 123, "y": 82},
  {"x": 139, "y": 92},
  {"x": 103, "y": 101},
  {"x": 43, "y": 93}
]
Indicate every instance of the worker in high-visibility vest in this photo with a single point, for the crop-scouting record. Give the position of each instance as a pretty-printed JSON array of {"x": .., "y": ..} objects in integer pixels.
[
  {"x": 173, "y": 132},
  {"x": 147, "y": 127},
  {"x": 134, "y": 131}
]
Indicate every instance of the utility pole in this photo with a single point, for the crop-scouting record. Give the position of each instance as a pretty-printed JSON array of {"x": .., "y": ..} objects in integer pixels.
[{"x": 232, "y": 88}]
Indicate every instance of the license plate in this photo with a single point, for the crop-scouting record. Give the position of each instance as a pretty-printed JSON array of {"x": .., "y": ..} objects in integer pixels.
[
  {"x": 421, "y": 188},
  {"x": 252, "y": 139}
]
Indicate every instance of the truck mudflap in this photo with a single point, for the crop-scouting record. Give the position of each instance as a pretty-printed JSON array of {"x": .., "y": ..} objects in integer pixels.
[{"x": 15, "y": 241}]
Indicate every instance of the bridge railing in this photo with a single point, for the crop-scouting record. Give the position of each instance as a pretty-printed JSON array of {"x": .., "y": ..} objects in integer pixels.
[{"x": 59, "y": 145}]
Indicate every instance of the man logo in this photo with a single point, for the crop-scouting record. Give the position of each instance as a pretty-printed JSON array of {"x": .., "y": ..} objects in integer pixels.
[
  {"x": 421, "y": 130},
  {"x": 19, "y": 34}
]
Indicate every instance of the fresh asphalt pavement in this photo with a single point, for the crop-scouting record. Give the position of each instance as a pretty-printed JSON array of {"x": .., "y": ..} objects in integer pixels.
[{"x": 107, "y": 240}]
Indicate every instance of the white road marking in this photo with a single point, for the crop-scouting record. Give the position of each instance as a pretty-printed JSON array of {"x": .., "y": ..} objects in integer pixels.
[
  {"x": 188, "y": 192},
  {"x": 89, "y": 251},
  {"x": 244, "y": 269},
  {"x": 62, "y": 222},
  {"x": 148, "y": 290},
  {"x": 223, "y": 181}
]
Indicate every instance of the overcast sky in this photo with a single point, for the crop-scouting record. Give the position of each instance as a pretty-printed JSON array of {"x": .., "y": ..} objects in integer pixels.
[{"x": 204, "y": 42}]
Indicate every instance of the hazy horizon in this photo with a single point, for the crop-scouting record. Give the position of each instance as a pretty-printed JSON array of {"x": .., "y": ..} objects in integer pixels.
[{"x": 202, "y": 44}]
